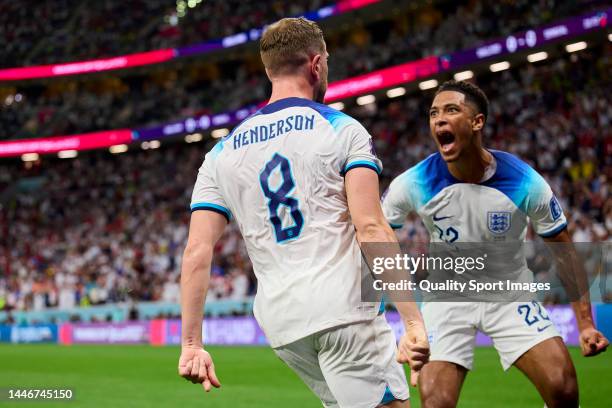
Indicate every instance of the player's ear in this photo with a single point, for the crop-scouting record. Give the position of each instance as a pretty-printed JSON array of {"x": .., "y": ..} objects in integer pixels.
[
  {"x": 478, "y": 122},
  {"x": 316, "y": 66}
]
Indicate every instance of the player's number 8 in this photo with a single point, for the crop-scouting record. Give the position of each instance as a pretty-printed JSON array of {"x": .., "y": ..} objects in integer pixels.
[{"x": 280, "y": 196}]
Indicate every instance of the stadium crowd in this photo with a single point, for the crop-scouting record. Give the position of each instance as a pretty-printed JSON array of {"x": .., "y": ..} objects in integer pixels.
[
  {"x": 101, "y": 229},
  {"x": 110, "y": 28},
  {"x": 76, "y": 105}
]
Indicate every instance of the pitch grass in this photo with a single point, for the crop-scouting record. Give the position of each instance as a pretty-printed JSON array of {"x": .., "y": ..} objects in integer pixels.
[{"x": 144, "y": 376}]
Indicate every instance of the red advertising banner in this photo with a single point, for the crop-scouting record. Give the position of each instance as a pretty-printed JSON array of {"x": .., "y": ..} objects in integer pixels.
[
  {"x": 383, "y": 78},
  {"x": 55, "y": 144},
  {"x": 83, "y": 67}
]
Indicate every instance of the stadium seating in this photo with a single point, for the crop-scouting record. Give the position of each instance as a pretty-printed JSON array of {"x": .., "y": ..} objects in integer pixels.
[
  {"x": 109, "y": 28},
  {"x": 107, "y": 229},
  {"x": 154, "y": 96},
  {"x": 104, "y": 230}
]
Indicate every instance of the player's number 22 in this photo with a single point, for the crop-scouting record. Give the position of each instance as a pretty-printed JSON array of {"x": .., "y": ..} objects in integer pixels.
[
  {"x": 530, "y": 319},
  {"x": 280, "y": 197}
]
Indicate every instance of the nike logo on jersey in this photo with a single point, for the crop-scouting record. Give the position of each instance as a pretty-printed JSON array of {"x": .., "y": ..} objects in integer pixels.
[
  {"x": 436, "y": 218},
  {"x": 541, "y": 329}
]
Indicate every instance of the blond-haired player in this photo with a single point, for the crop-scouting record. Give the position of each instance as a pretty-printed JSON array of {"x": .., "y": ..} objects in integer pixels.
[{"x": 301, "y": 180}]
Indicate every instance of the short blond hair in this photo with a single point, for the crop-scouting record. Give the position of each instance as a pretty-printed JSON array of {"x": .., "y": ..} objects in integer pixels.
[{"x": 289, "y": 43}]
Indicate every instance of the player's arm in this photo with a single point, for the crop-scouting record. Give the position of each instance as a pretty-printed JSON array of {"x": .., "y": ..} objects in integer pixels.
[
  {"x": 205, "y": 229},
  {"x": 371, "y": 227},
  {"x": 574, "y": 279},
  {"x": 549, "y": 221},
  {"x": 209, "y": 216}
]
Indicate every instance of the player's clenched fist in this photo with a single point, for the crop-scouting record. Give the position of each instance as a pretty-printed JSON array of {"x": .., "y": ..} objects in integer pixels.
[
  {"x": 196, "y": 365},
  {"x": 592, "y": 342},
  {"x": 413, "y": 348}
]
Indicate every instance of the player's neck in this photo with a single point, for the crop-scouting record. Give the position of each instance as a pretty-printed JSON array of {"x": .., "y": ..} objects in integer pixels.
[
  {"x": 471, "y": 166},
  {"x": 290, "y": 87}
]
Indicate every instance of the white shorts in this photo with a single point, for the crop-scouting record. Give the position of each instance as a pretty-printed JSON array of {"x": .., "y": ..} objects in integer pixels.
[
  {"x": 350, "y": 366},
  {"x": 514, "y": 328}
]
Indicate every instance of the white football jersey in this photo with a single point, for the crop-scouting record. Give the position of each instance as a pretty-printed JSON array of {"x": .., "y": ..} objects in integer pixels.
[
  {"x": 280, "y": 175},
  {"x": 495, "y": 211}
]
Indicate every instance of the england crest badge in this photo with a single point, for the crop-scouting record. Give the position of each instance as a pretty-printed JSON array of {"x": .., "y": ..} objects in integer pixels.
[{"x": 499, "y": 221}]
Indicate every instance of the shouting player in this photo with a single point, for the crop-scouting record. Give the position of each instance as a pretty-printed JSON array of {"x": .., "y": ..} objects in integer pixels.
[
  {"x": 301, "y": 181},
  {"x": 466, "y": 193}
]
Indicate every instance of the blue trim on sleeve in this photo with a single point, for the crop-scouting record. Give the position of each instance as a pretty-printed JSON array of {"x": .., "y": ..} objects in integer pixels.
[
  {"x": 212, "y": 207},
  {"x": 554, "y": 231},
  {"x": 361, "y": 163},
  {"x": 395, "y": 226}
]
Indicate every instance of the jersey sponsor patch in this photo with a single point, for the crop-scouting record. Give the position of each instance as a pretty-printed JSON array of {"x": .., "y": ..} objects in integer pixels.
[
  {"x": 555, "y": 208},
  {"x": 499, "y": 222}
]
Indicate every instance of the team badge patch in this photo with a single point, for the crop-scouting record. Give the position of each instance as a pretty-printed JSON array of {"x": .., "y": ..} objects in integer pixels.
[
  {"x": 555, "y": 208},
  {"x": 499, "y": 222}
]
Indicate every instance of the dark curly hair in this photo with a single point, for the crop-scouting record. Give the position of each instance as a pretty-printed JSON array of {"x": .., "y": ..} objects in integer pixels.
[{"x": 472, "y": 93}]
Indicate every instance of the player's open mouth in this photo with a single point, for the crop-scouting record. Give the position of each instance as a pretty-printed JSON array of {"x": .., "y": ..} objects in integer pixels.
[{"x": 446, "y": 140}]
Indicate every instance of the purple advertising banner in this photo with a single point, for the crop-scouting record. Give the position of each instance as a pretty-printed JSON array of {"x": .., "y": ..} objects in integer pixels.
[
  {"x": 105, "y": 333},
  {"x": 199, "y": 48},
  {"x": 516, "y": 42},
  {"x": 536, "y": 37},
  {"x": 229, "y": 331},
  {"x": 562, "y": 316},
  {"x": 193, "y": 124},
  {"x": 236, "y": 331},
  {"x": 254, "y": 34}
]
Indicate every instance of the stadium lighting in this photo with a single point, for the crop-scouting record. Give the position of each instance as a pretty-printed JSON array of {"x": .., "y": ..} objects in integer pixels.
[
  {"x": 116, "y": 149},
  {"x": 219, "y": 133},
  {"x": 67, "y": 154},
  {"x": 581, "y": 45},
  {"x": 195, "y": 137},
  {"x": 153, "y": 144},
  {"x": 30, "y": 157},
  {"x": 365, "y": 100},
  {"x": 538, "y": 56},
  {"x": 610, "y": 37},
  {"x": 463, "y": 75},
  {"x": 499, "y": 66},
  {"x": 396, "y": 92},
  {"x": 337, "y": 105},
  {"x": 431, "y": 83}
]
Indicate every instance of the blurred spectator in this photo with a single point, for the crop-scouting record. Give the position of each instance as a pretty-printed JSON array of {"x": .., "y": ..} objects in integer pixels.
[
  {"x": 69, "y": 30},
  {"x": 104, "y": 229},
  {"x": 163, "y": 93}
]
